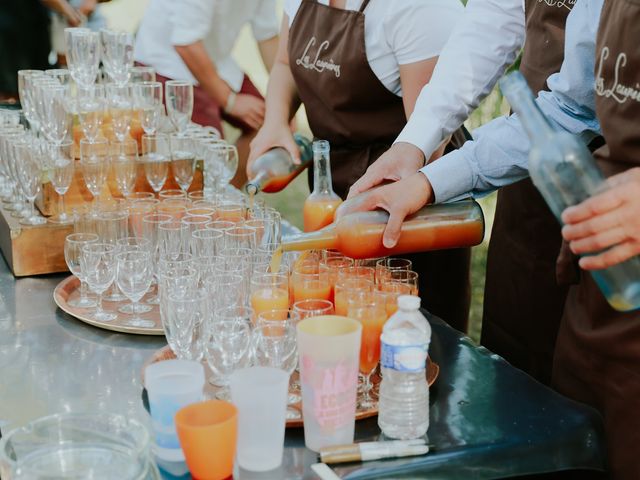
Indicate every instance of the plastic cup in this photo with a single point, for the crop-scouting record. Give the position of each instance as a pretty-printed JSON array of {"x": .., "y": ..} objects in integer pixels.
[
  {"x": 260, "y": 394},
  {"x": 171, "y": 385},
  {"x": 329, "y": 352},
  {"x": 208, "y": 434}
]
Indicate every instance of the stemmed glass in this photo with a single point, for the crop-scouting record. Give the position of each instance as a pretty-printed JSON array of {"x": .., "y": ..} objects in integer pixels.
[
  {"x": 29, "y": 170},
  {"x": 90, "y": 105},
  {"x": 93, "y": 158},
  {"x": 227, "y": 157},
  {"x": 187, "y": 312},
  {"x": 139, "y": 73},
  {"x": 73, "y": 245},
  {"x": 183, "y": 160},
  {"x": 156, "y": 153},
  {"x": 98, "y": 265},
  {"x": 56, "y": 119},
  {"x": 120, "y": 107},
  {"x": 134, "y": 275},
  {"x": 275, "y": 345},
  {"x": 83, "y": 55},
  {"x": 25, "y": 88},
  {"x": 150, "y": 224},
  {"x": 124, "y": 161},
  {"x": 117, "y": 54},
  {"x": 227, "y": 349},
  {"x": 61, "y": 174},
  {"x": 179, "y": 99},
  {"x": 61, "y": 74},
  {"x": 147, "y": 97}
]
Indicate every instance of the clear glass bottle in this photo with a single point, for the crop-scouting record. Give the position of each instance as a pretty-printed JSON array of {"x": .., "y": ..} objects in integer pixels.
[
  {"x": 321, "y": 205},
  {"x": 359, "y": 234},
  {"x": 564, "y": 171},
  {"x": 275, "y": 169}
]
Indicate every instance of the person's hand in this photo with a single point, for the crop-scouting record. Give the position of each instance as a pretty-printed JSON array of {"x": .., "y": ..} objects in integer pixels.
[
  {"x": 400, "y": 161},
  {"x": 270, "y": 136},
  {"x": 608, "y": 222},
  {"x": 249, "y": 109},
  {"x": 400, "y": 199},
  {"x": 88, "y": 7}
]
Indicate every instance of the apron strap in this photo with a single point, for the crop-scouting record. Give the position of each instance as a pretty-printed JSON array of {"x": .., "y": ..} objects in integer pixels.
[{"x": 363, "y": 6}]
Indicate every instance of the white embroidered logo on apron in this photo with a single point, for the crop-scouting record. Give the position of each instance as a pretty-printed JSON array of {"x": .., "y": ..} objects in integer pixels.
[
  {"x": 619, "y": 92},
  {"x": 317, "y": 63},
  {"x": 568, "y": 4}
]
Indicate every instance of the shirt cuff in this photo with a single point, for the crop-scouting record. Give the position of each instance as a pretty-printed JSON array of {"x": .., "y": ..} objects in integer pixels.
[
  {"x": 423, "y": 134},
  {"x": 450, "y": 176}
]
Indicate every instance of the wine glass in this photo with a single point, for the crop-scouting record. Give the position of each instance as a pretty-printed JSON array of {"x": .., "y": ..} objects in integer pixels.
[
  {"x": 99, "y": 267},
  {"x": 83, "y": 55},
  {"x": 29, "y": 172},
  {"x": 117, "y": 54},
  {"x": 134, "y": 274},
  {"x": 183, "y": 160},
  {"x": 57, "y": 119},
  {"x": 62, "y": 75},
  {"x": 93, "y": 159},
  {"x": 90, "y": 105},
  {"x": 179, "y": 99},
  {"x": 187, "y": 316},
  {"x": 156, "y": 153},
  {"x": 61, "y": 175},
  {"x": 73, "y": 245},
  {"x": 227, "y": 157},
  {"x": 150, "y": 224},
  {"x": 124, "y": 161},
  {"x": 147, "y": 97},
  {"x": 139, "y": 73},
  {"x": 25, "y": 78},
  {"x": 120, "y": 107},
  {"x": 179, "y": 283},
  {"x": 227, "y": 349}
]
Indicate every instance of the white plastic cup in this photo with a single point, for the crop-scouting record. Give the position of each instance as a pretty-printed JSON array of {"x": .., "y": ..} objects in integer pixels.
[
  {"x": 329, "y": 351},
  {"x": 260, "y": 395},
  {"x": 171, "y": 385}
]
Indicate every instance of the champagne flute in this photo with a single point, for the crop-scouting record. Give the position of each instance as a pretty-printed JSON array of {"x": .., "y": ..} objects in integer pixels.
[
  {"x": 73, "y": 245},
  {"x": 61, "y": 174},
  {"x": 90, "y": 105},
  {"x": 99, "y": 267},
  {"x": 134, "y": 274},
  {"x": 29, "y": 170},
  {"x": 179, "y": 99},
  {"x": 93, "y": 159},
  {"x": 120, "y": 107},
  {"x": 183, "y": 160},
  {"x": 117, "y": 54},
  {"x": 147, "y": 98},
  {"x": 124, "y": 161},
  {"x": 156, "y": 154},
  {"x": 227, "y": 157},
  {"x": 139, "y": 74},
  {"x": 83, "y": 55},
  {"x": 57, "y": 119}
]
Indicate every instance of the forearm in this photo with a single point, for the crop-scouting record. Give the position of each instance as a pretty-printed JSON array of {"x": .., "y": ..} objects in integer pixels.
[
  {"x": 268, "y": 51},
  {"x": 483, "y": 44},
  {"x": 197, "y": 59},
  {"x": 282, "y": 96}
]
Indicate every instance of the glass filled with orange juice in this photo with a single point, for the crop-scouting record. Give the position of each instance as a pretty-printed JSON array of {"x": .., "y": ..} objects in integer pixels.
[
  {"x": 347, "y": 288},
  {"x": 269, "y": 291},
  {"x": 310, "y": 283}
]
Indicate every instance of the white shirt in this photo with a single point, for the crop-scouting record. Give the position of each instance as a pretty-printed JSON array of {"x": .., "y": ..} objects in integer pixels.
[
  {"x": 217, "y": 23},
  {"x": 484, "y": 43},
  {"x": 399, "y": 32},
  {"x": 499, "y": 153}
]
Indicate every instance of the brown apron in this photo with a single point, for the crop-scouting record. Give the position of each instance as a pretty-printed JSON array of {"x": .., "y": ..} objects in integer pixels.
[
  {"x": 347, "y": 105},
  {"x": 523, "y": 302},
  {"x": 598, "y": 349}
]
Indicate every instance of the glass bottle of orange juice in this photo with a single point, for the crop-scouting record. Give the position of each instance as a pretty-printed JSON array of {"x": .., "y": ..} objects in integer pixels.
[{"x": 321, "y": 205}]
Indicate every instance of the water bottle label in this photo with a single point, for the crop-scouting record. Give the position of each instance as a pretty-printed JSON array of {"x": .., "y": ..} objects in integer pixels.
[{"x": 404, "y": 358}]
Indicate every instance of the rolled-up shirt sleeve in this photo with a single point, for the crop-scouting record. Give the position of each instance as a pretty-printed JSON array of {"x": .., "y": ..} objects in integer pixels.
[
  {"x": 190, "y": 21},
  {"x": 264, "y": 24},
  {"x": 498, "y": 155},
  {"x": 483, "y": 44}
]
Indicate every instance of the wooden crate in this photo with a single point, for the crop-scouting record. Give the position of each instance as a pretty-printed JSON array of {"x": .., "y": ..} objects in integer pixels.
[{"x": 32, "y": 250}]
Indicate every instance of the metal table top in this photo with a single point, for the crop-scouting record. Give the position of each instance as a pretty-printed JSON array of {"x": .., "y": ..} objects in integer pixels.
[{"x": 488, "y": 420}]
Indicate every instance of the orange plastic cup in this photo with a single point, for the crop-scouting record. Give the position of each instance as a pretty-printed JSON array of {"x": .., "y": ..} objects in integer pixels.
[{"x": 208, "y": 433}]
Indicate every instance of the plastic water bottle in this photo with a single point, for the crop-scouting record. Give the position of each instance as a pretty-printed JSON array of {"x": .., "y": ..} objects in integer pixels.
[{"x": 403, "y": 411}]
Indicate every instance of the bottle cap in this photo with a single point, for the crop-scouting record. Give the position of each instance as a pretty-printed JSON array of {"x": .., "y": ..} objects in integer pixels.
[{"x": 408, "y": 302}]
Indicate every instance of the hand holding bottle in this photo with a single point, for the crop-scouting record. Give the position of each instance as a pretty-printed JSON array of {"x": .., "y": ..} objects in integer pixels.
[
  {"x": 400, "y": 199},
  {"x": 609, "y": 221},
  {"x": 270, "y": 136}
]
